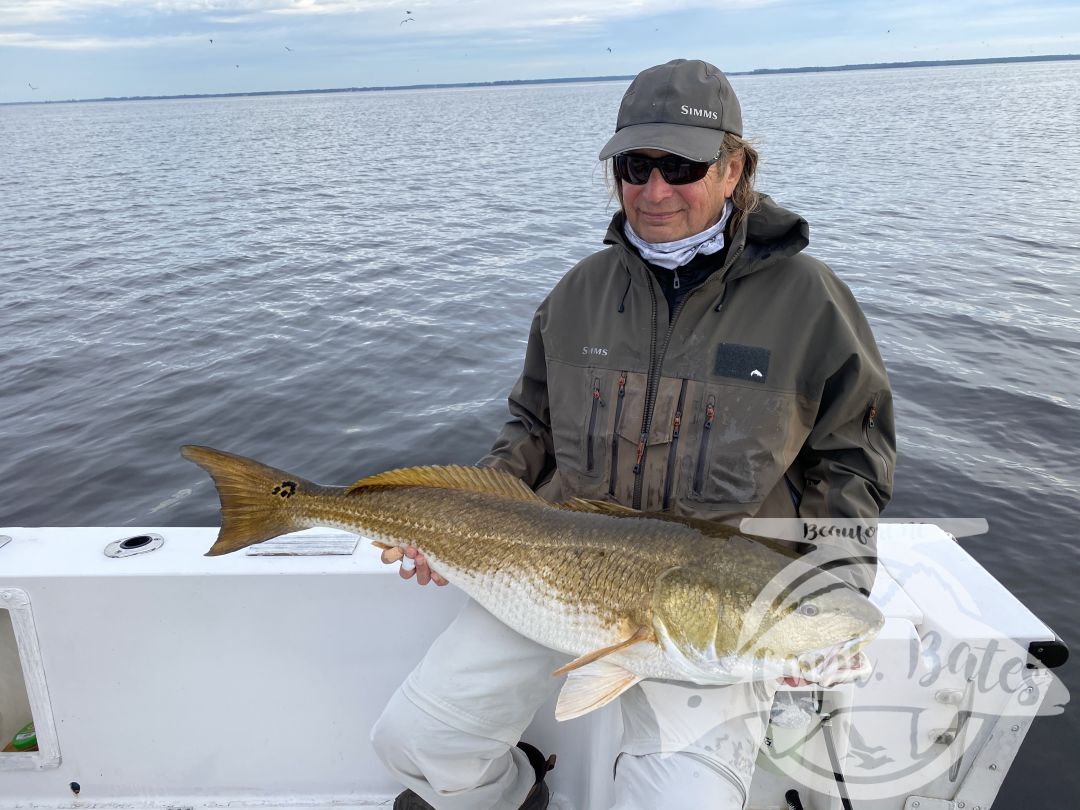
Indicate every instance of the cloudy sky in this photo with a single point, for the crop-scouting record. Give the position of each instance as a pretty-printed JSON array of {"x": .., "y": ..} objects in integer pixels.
[{"x": 61, "y": 49}]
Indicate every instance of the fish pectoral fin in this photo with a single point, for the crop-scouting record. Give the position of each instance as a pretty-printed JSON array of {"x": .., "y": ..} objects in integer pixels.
[
  {"x": 591, "y": 687},
  {"x": 383, "y": 546},
  {"x": 641, "y": 634}
]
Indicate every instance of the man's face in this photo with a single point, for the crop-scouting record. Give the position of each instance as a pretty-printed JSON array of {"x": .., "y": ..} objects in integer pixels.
[{"x": 659, "y": 212}]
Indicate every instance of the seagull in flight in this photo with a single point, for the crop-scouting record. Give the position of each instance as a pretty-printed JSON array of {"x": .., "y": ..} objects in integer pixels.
[
  {"x": 408, "y": 18},
  {"x": 31, "y": 86},
  {"x": 288, "y": 49},
  {"x": 211, "y": 42}
]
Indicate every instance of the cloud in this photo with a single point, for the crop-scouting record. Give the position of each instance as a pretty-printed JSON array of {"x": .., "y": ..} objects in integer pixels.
[
  {"x": 326, "y": 7},
  {"x": 101, "y": 25},
  {"x": 975, "y": 13},
  {"x": 482, "y": 13},
  {"x": 73, "y": 43}
]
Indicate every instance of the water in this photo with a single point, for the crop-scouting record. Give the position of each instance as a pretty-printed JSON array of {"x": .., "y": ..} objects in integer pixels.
[{"x": 340, "y": 284}]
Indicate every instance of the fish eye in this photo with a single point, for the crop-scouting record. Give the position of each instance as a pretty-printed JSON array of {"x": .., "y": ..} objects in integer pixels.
[{"x": 809, "y": 609}]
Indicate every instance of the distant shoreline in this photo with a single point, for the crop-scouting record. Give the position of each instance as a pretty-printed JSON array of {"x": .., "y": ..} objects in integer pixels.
[{"x": 571, "y": 80}]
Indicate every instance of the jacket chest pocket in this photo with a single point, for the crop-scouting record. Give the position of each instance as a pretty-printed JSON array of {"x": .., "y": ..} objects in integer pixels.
[
  {"x": 644, "y": 450},
  {"x": 595, "y": 423},
  {"x": 744, "y": 439},
  {"x": 583, "y": 402}
]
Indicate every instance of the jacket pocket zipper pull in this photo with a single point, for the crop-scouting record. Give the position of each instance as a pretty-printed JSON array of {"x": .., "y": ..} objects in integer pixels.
[
  {"x": 708, "y": 417},
  {"x": 871, "y": 416},
  {"x": 640, "y": 453},
  {"x": 676, "y": 423},
  {"x": 596, "y": 395},
  {"x": 675, "y": 285}
]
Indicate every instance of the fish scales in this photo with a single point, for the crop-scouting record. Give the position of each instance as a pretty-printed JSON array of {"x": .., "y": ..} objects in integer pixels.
[
  {"x": 606, "y": 566},
  {"x": 602, "y": 571},
  {"x": 632, "y": 595}
]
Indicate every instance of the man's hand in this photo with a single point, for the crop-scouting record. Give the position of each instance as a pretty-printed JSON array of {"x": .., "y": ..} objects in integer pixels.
[{"x": 412, "y": 564}]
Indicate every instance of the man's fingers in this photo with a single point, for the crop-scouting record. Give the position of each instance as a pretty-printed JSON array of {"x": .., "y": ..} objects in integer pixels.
[
  {"x": 413, "y": 564},
  {"x": 423, "y": 570}
]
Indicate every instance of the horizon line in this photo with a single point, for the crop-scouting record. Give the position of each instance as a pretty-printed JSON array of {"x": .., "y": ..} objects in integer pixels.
[{"x": 565, "y": 80}]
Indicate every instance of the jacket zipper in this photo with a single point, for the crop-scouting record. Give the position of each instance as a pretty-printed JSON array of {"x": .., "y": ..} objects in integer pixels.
[
  {"x": 871, "y": 424},
  {"x": 597, "y": 402},
  {"x": 615, "y": 434},
  {"x": 655, "y": 363},
  {"x": 703, "y": 450},
  {"x": 651, "y": 390},
  {"x": 676, "y": 425},
  {"x": 646, "y": 414}
]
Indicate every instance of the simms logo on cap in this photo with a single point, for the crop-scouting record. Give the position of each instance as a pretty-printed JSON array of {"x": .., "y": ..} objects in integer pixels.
[{"x": 688, "y": 110}]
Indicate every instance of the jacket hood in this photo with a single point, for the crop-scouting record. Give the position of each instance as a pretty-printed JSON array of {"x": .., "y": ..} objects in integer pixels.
[{"x": 771, "y": 233}]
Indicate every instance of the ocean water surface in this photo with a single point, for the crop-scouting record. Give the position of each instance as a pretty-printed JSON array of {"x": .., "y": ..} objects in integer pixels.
[{"x": 339, "y": 284}]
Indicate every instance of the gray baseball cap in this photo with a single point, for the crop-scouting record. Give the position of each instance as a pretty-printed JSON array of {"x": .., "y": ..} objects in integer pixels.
[{"x": 683, "y": 107}]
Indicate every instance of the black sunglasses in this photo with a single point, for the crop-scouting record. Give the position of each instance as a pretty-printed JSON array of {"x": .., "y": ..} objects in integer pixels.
[{"x": 676, "y": 171}]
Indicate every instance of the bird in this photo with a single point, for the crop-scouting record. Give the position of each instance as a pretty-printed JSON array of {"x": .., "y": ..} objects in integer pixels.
[
  {"x": 31, "y": 86},
  {"x": 238, "y": 66},
  {"x": 211, "y": 42},
  {"x": 407, "y": 19},
  {"x": 609, "y": 50},
  {"x": 288, "y": 49}
]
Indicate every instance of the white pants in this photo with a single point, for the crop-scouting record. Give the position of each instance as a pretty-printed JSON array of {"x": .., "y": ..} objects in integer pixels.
[{"x": 449, "y": 732}]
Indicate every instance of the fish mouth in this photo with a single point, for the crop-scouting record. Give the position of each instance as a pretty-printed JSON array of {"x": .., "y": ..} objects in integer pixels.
[{"x": 840, "y": 663}]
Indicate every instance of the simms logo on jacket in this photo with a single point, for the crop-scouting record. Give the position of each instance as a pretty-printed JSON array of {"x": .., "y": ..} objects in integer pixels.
[
  {"x": 594, "y": 351},
  {"x": 688, "y": 110},
  {"x": 742, "y": 362}
]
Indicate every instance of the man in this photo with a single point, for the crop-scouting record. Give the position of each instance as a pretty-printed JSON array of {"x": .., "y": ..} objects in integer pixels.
[{"x": 703, "y": 365}]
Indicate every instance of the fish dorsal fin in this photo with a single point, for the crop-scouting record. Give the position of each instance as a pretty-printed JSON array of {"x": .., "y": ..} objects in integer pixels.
[
  {"x": 468, "y": 479},
  {"x": 591, "y": 687},
  {"x": 641, "y": 634},
  {"x": 709, "y": 528}
]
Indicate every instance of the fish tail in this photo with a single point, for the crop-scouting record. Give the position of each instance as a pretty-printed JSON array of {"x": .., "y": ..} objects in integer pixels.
[{"x": 255, "y": 499}]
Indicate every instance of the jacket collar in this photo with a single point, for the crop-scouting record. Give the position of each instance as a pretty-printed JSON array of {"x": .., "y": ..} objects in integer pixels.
[{"x": 768, "y": 235}]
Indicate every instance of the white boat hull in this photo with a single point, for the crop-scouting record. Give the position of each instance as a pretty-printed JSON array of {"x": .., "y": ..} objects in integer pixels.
[{"x": 173, "y": 680}]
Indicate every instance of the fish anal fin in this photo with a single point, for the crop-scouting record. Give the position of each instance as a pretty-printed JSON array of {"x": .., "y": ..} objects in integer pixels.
[
  {"x": 639, "y": 635},
  {"x": 470, "y": 479},
  {"x": 591, "y": 687}
]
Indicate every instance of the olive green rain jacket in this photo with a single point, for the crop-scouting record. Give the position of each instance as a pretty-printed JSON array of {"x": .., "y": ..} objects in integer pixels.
[{"x": 762, "y": 395}]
